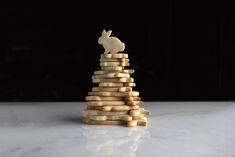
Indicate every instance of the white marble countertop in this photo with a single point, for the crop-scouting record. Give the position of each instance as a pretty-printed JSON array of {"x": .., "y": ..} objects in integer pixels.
[{"x": 176, "y": 129}]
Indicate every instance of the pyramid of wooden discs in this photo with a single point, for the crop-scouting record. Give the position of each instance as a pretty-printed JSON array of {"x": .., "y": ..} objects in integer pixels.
[{"x": 113, "y": 101}]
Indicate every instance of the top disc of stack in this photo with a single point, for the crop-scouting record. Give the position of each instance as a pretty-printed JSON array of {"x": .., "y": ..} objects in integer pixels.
[{"x": 113, "y": 56}]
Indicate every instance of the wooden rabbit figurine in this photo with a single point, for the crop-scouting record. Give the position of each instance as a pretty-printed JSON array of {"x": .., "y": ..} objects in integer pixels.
[{"x": 111, "y": 44}]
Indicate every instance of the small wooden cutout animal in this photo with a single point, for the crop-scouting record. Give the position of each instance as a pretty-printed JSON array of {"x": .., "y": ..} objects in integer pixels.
[{"x": 110, "y": 44}]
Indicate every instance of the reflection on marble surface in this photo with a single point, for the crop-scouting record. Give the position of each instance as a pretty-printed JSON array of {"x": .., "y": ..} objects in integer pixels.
[{"x": 111, "y": 141}]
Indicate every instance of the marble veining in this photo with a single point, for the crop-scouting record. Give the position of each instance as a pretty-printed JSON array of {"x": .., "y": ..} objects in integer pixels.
[{"x": 179, "y": 129}]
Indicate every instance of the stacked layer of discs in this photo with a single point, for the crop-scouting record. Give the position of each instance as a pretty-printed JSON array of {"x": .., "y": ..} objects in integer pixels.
[{"x": 113, "y": 101}]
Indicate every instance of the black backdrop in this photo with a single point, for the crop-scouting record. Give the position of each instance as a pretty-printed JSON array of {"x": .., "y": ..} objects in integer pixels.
[{"x": 179, "y": 51}]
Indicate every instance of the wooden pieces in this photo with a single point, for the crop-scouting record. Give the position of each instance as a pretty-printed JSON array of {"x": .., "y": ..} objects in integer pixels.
[
  {"x": 111, "y": 75},
  {"x": 114, "y": 89},
  {"x": 115, "y": 94},
  {"x": 113, "y": 101},
  {"x": 99, "y": 98},
  {"x": 87, "y": 113},
  {"x": 113, "y": 80},
  {"x": 114, "y": 64},
  {"x": 113, "y": 108},
  {"x": 114, "y": 68},
  {"x": 125, "y": 71},
  {"x": 105, "y": 103},
  {"x": 112, "y": 56}
]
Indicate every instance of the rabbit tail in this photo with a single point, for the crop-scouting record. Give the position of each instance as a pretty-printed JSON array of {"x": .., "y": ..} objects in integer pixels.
[{"x": 123, "y": 47}]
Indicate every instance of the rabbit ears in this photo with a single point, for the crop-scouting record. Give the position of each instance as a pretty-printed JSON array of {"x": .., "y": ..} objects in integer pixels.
[{"x": 107, "y": 34}]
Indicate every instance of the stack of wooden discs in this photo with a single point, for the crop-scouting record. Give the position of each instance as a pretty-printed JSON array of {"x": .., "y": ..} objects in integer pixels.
[{"x": 114, "y": 102}]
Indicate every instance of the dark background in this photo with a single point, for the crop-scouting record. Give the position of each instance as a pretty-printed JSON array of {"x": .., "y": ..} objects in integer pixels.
[{"x": 180, "y": 51}]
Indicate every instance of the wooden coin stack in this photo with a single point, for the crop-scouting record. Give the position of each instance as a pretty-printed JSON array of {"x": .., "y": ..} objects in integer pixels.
[{"x": 114, "y": 102}]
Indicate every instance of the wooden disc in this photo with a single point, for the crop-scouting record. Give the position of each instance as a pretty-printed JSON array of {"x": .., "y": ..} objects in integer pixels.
[
  {"x": 114, "y": 60},
  {"x": 115, "y": 94},
  {"x": 111, "y": 89},
  {"x": 113, "y": 80},
  {"x": 113, "y": 64},
  {"x": 111, "y": 75},
  {"x": 117, "y": 55},
  {"x": 104, "y": 103},
  {"x": 100, "y": 98},
  {"x": 102, "y": 113},
  {"x": 112, "y": 68},
  {"x": 110, "y": 84},
  {"x": 125, "y": 71},
  {"x": 113, "y": 108},
  {"x": 106, "y": 122}
]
